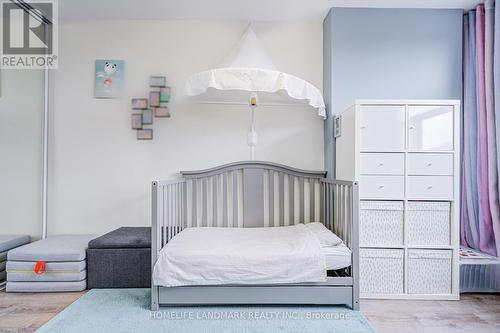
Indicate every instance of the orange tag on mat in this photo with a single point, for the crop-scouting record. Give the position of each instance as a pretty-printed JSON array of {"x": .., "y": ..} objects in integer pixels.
[{"x": 39, "y": 267}]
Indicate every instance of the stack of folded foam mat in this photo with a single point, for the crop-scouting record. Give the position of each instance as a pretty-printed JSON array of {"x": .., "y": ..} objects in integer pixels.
[
  {"x": 56, "y": 263},
  {"x": 7, "y": 243}
]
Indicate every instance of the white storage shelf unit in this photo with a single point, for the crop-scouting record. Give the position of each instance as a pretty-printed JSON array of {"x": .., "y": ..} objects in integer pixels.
[{"x": 405, "y": 155}]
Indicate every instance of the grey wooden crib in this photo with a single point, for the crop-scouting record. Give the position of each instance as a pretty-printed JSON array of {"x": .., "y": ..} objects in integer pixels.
[{"x": 257, "y": 194}]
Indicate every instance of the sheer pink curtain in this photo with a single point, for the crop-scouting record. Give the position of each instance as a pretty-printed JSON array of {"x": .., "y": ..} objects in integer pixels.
[{"x": 480, "y": 220}]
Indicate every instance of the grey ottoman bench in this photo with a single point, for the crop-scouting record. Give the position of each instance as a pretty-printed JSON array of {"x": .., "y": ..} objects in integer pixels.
[{"x": 120, "y": 259}]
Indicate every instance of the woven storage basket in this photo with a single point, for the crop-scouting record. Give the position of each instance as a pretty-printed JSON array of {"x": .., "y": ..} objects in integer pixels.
[
  {"x": 381, "y": 223},
  {"x": 429, "y": 271},
  {"x": 428, "y": 223},
  {"x": 381, "y": 271}
]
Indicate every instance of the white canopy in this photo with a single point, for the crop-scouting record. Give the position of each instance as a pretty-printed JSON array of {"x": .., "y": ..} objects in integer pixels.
[{"x": 248, "y": 68}]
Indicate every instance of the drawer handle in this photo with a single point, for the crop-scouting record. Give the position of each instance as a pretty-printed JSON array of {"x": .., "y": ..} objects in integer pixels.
[
  {"x": 412, "y": 127},
  {"x": 381, "y": 164},
  {"x": 381, "y": 187},
  {"x": 429, "y": 187},
  {"x": 363, "y": 127}
]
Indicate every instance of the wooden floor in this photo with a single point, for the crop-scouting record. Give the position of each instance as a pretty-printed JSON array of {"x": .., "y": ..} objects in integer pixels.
[
  {"x": 27, "y": 312},
  {"x": 473, "y": 313}
]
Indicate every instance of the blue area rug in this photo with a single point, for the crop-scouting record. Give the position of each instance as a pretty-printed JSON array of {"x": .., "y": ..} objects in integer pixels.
[{"x": 127, "y": 310}]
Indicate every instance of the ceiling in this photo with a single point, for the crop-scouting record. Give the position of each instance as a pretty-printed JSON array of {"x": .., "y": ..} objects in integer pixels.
[{"x": 245, "y": 10}]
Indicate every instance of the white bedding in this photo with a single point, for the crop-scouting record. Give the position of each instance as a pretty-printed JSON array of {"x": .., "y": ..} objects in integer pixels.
[
  {"x": 337, "y": 257},
  {"x": 214, "y": 256}
]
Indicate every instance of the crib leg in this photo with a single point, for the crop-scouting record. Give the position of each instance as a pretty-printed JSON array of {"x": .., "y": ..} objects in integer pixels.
[
  {"x": 355, "y": 305},
  {"x": 154, "y": 298},
  {"x": 154, "y": 306}
]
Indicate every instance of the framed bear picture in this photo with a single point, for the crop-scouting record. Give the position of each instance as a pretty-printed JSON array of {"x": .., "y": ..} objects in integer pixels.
[{"x": 109, "y": 78}]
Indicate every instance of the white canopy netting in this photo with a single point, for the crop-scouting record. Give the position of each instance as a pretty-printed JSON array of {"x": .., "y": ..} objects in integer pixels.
[{"x": 248, "y": 74}]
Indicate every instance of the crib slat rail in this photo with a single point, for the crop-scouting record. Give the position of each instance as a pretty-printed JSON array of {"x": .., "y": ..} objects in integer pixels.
[
  {"x": 341, "y": 206},
  {"x": 256, "y": 194},
  {"x": 168, "y": 218},
  {"x": 253, "y": 194}
]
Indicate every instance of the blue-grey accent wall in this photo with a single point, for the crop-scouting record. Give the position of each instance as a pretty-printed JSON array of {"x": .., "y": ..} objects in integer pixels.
[
  {"x": 389, "y": 54},
  {"x": 327, "y": 95}
]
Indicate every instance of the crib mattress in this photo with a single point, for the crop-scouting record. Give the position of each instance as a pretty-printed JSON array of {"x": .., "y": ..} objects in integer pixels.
[
  {"x": 45, "y": 287},
  {"x": 337, "y": 257},
  {"x": 8, "y": 242},
  {"x": 54, "y": 248},
  {"x": 271, "y": 255},
  {"x": 23, "y": 271}
]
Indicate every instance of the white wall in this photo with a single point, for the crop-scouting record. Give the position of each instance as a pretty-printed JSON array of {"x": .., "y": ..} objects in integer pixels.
[
  {"x": 100, "y": 174},
  {"x": 21, "y": 111}
]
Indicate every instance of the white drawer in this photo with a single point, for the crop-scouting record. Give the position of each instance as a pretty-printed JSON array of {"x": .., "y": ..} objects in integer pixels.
[
  {"x": 430, "y": 164},
  {"x": 430, "y": 187},
  {"x": 382, "y": 127},
  {"x": 381, "y": 187},
  {"x": 382, "y": 163}
]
